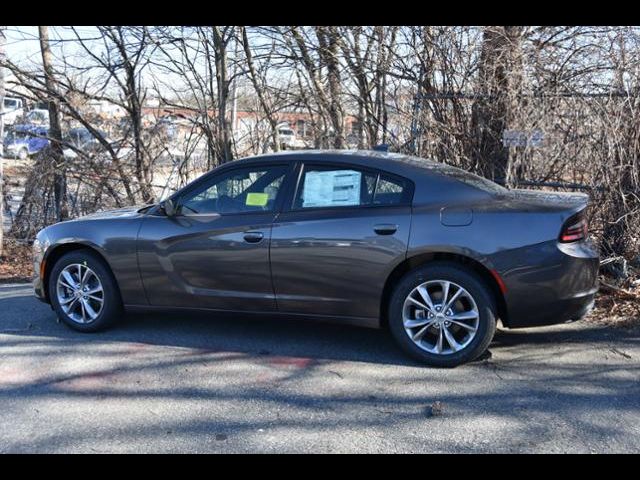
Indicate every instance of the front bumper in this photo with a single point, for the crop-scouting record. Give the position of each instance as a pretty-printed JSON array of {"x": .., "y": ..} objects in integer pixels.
[
  {"x": 40, "y": 246},
  {"x": 13, "y": 149}
]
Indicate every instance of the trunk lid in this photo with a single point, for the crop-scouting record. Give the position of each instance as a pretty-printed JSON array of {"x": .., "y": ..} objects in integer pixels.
[{"x": 566, "y": 203}]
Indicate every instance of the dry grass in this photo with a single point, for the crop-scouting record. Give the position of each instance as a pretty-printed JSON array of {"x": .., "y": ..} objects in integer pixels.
[
  {"x": 16, "y": 263},
  {"x": 617, "y": 306}
]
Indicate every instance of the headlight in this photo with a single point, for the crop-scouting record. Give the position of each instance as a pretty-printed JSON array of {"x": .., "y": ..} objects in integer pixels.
[
  {"x": 37, "y": 247},
  {"x": 40, "y": 245}
]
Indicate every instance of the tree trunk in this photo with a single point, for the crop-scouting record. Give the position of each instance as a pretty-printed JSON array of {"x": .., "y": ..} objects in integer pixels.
[
  {"x": 222, "y": 80},
  {"x": 329, "y": 40},
  {"x": 268, "y": 111},
  {"x": 2, "y": 42},
  {"x": 55, "y": 133},
  {"x": 500, "y": 78}
]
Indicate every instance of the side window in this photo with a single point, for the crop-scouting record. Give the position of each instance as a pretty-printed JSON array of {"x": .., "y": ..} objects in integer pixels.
[
  {"x": 251, "y": 189},
  {"x": 324, "y": 186},
  {"x": 391, "y": 191},
  {"x": 328, "y": 186}
]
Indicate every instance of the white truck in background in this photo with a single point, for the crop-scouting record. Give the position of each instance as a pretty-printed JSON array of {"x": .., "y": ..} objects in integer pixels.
[{"x": 13, "y": 108}]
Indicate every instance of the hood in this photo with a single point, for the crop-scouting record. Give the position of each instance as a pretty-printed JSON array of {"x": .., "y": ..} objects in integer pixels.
[{"x": 116, "y": 213}]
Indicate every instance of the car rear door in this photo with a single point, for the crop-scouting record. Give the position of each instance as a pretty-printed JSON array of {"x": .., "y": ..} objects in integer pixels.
[
  {"x": 342, "y": 231},
  {"x": 215, "y": 252}
]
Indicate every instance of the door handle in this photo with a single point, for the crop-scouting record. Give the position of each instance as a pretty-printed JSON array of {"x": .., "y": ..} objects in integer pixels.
[
  {"x": 385, "y": 228},
  {"x": 253, "y": 237}
]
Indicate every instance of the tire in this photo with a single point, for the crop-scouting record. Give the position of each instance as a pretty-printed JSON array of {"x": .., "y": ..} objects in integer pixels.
[
  {"x": 475, "y": 299},
  {"x": 73, "y": 313},
  {"x": 23, "y": 153}
]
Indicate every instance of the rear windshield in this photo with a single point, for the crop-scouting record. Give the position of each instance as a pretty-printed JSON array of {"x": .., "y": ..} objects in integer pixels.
[
  {"x": 476, "y": 181},
  {"x": 463, "y": 176}
]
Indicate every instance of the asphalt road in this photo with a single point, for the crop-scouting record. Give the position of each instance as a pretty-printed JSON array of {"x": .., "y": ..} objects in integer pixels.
[{"x": 196, "y": 383}]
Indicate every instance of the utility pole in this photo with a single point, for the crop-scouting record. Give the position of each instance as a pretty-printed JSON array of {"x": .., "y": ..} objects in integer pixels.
[{"x": 2, "y": 43}]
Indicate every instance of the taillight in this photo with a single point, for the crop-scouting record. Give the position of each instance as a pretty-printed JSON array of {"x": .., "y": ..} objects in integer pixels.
[{"x": 574, "y": 229}]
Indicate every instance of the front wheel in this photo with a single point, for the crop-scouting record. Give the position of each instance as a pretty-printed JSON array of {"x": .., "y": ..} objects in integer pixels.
[
  {"x": 442, "y": 314},
  {"x": 83, "y": 292},
  {"x": 23, "y": 153}
]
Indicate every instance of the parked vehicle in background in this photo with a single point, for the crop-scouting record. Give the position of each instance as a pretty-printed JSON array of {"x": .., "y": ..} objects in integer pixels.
[
  {"x": 82, "y": 139},
  {"x": 24, "y": 140},
  {"x": 287, "y": 137},
  {"x": 168, "y": 127},
  {"x": 431, "y": 252},
  {"x": 13, "y": 109},
  {"x": 37, "y": 116}
]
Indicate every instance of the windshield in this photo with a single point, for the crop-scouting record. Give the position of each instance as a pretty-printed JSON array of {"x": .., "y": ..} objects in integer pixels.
[{"x": 37, "y": 116}]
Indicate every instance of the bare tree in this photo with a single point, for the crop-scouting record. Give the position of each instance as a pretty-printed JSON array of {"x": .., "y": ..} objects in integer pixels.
[
  {"x": 221, "y": 37},
  {"x": 2, "y": 61},
  {"x": 55, "y": 132},
  {"x": 499, "y": 78},
  {"x": 126, "y": 53},
  {"x": 260, "y": 89},
  {"x": 368, "y": 52}
]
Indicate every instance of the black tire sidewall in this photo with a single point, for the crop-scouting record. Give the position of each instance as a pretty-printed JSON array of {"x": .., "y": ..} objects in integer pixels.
[
  {"x": 470, "y": 281},
  {"x": 112, "y": 309}
]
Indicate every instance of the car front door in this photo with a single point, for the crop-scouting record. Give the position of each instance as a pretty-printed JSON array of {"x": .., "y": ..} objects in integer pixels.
[
  {"x": 214, "y": 253},
  {"x": 346, "y": 229}
]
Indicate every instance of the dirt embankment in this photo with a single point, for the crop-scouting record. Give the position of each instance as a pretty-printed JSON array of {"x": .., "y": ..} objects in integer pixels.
[{"x": 16, "y": 263}]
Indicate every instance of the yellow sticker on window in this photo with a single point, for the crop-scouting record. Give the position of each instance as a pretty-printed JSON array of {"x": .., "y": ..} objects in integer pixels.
[{"x": 257, "y": 199}]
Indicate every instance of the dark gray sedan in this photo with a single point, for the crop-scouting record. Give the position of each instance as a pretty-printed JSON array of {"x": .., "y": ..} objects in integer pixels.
[{"x": 433, "y": 253}]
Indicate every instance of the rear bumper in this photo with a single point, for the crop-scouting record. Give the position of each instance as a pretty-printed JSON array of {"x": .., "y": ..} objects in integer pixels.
[{"x": 559, "y": 287}]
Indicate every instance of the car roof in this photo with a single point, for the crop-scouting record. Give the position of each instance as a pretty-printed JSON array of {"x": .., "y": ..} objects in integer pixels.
[
  {"x": 391, "y": 162},
  {"x": 431, "y": 179},
  {"x": 328, "y": 156}
]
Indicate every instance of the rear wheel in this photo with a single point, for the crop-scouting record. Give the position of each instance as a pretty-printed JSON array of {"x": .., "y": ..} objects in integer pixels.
[
  {"x": 442, "y": 314},
  {"x": 83, "y": 292},
  {"x": 23, "y": 153}
]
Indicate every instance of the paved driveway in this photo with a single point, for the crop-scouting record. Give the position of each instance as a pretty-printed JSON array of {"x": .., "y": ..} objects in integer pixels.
[{"x": 195, "y": 383}]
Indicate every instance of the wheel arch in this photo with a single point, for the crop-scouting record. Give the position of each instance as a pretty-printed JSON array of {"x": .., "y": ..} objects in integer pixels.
[
  {"x": 425, "y": 258},
  {"x": 57, "y": 251}
]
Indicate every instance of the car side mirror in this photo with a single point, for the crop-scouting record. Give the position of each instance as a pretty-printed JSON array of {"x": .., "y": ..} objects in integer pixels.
[{"x": 169, "y": 208}]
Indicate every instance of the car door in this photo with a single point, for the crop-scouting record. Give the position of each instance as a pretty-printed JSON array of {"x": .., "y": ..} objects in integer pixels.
[
  {"x": 346, "y": 228},
  {"x": 215, "y": 252}
]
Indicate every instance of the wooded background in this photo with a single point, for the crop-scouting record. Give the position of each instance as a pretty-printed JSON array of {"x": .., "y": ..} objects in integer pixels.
[{"x": 530, "y": 107}]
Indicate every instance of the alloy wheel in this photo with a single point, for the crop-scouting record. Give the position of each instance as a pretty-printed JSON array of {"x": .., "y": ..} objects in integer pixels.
[
  {"x": 80, "y": 293},
  {"x": 440, "y": 317}
]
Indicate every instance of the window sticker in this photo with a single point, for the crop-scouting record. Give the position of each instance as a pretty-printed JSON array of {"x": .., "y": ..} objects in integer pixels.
[
  {"x": 257, "y": 199},
  {"x": 331, "y": 189}
]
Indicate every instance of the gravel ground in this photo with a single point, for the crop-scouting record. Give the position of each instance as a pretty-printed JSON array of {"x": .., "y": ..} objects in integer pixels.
[{"x": 195, "y": 383}]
